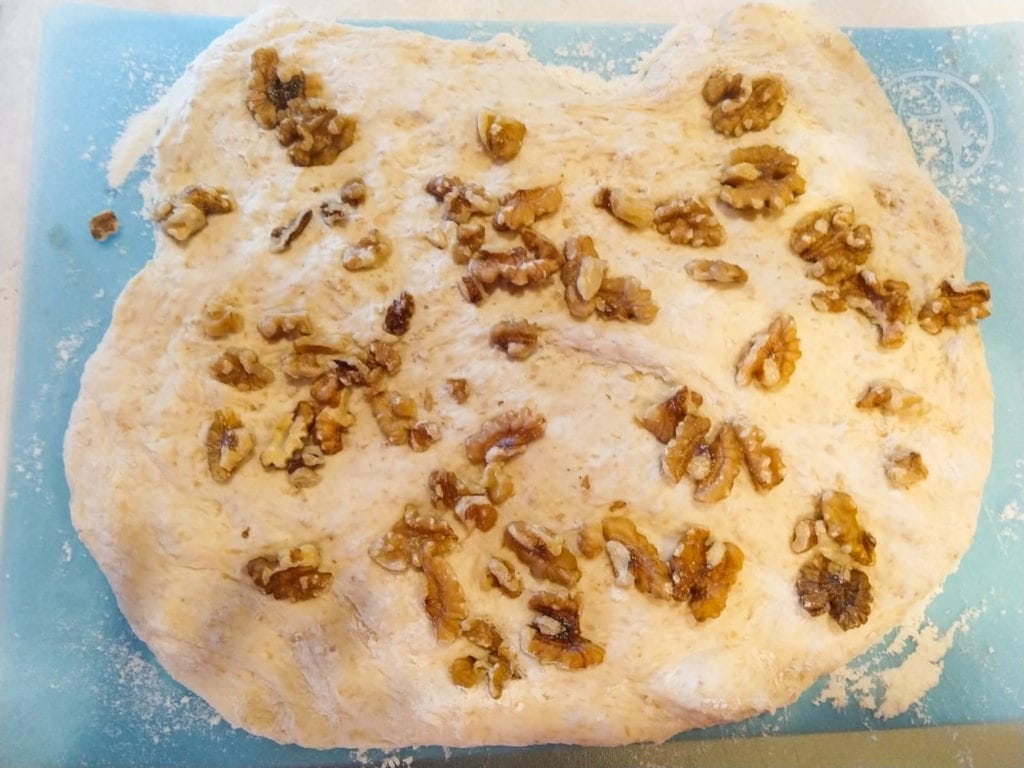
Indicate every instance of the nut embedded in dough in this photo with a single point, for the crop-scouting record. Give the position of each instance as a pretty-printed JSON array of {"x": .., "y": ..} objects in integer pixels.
[
  {"x": 631, "y": 209},
  {"x": 832, "y": 241},
  {"x": 504, "y": 436},
  {"x": 241, "y": 368},
  {"x": 950, "y": 307},
  {"x": 699, "y": 580},
  {"x": 839, "y": 511},
  {"x": 904, "y": 468},
  {"x": 554, "y": 637},
  {"x": 650, "y": 573},
  {"x": 688, "y": 220},
  {"x": 412, "y": 539},
  {"x": 500, "y": 135},
  {"x": 228, "y": 444},
  {"x": 824, "y": 585},
  {"x": 770, "y": 358},
  {"x": 292, "y": 574},
  {"x": 761, "y": 178},
  {"x": 544, "y": 553},
  {"x": 741, "y": 103}
]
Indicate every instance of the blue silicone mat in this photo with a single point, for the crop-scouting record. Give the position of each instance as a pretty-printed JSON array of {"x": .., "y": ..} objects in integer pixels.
[{"x": 76, "y": 686}]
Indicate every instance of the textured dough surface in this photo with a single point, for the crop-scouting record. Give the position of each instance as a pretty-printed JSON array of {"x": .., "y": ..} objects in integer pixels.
[{"x": 359, "y": 666}]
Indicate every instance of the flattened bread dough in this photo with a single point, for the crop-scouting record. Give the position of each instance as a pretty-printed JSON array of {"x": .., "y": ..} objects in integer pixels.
[{"x": 359, "y": 666}]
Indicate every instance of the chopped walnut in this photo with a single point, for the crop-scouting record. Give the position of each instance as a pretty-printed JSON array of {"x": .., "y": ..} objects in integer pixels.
[
  {"x": 292, "y": 574},
  {"x": 716, "y": 272},
  {"x": 770, "y": 358},
  {"x": 742, "y": 104},
  {"x": 285, "y": 325},
  {"x": 472, "y": 290},
  {"x": 582, "y": 273},
  {"x": 829, "y": 300},
  {"x": 469, "y": 238},
  {"x": 395, "y": 414},
  {"x": 445, "y": 601},
  {"x": 845, "y": 593},
  {"x": 681, "y": 449},
  {"x": 521, "y": 208},
  {"x": 369, "y": 252},
  {"x": 220, "y": 319},
  {"x": 497, "y": 483},
  {"x": 661, "y": 419},
  {"x": 334, "y": 213},
  {"x": 885, "y": 303},
  {"x": 303, "y": 464},
  {"x": 498, "y": 666},
  {"x": 459, "y": 200},
  {"x": 889, "y": 396},
  {"x": 281, "y": 238},
  {"x": 516, "y": 338},
  {"x": 328, "y": 429},
  {"x": 413, "y": 539},
  {"x": 554, "y": 637},
  {"x": 353, "y": 192},
  {"x": 590, "y": 540},
  {"x": 228, "y": 444},
  {"x": 399, "y": 314},
  {"x": 904, "y": 468},
  {"x": 446, "y": 488},
  {"x": 623, "y": 298},
  {"x": 764, "y": 462},
  {"x": 501, "y": 136},
  {"x": 504, "y": 436},
  {"x": 476, "y": 512},
  {"x": 241, "y": 368},
  {"x": 806, "y": 534},
  {"x": 625, "y": 207},
  {"x": 699, "y": 577},
  {"x": 689, "y": 221},
  {"x": 650, "y": 573},
  {"x": 458, "y": 389},
  {"x": 839, "y": 511},
  {"x": 726, "y": 455},
  {"x": 949, "y": 307},
  {"x": 761, "y": 177},
  {"x": 103, "y": 225},
  {"x": 184, "y": 214},
  {"x": 833, "y": 242},
  {"x": 518, "y": 267},
  {"x": 290, "y": 435},
  {"x": 424, "y": 434},
  {"x": 500, "y": 573},
  {"x": 314, "y": 133},
  {"x": 269, "y": 92},
  {"x": 544, "y": 553},
  {"x": 384, "y": 355}
]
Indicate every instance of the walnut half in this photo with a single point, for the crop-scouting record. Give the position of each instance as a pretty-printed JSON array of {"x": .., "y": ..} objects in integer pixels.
[
  {"x": 292, "y": 574},
  {"x": 185, "y": 213},
  {"x": 742, "y": 104},
  {"x": 544, "y": 553},
  {"x": 824, "y": 585},
  {"x": 650, "y": 573},
  {"x": 241, "y": 368},
  {"x": 554, "y": 637},
  {"x": 445, "y": 601},
  {"x": 703, "y": 573},
  {"x": 832, "y": 241},
  {"x": 500, "y": 135},
  {"x": 518, "y": 339},
  {"x": 228, "y": 444},
  {"x": 689, "y": 221},
  {"x": 770, "y": 358},
  {"x": 504, "y": 436},
  {"x": 761, "y": 177},
  {"x": 949, "y": 307}
]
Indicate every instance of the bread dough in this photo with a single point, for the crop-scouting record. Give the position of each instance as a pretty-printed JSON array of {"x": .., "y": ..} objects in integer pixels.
[{"x": 359, "y": 665}]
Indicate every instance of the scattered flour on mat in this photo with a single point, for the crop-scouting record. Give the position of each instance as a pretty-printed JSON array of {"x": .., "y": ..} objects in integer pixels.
[{"x": 895, "y": 680}]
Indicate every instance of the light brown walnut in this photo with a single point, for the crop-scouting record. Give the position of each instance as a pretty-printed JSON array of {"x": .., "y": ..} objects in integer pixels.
[
  {"x": 221, "y": 318},
  {"x": 460, "y": 200},
  {"x": 519, "y": 209},
  {"x": 445, "y": 601},
  {"x": 698, "y": 580},
  {"x": 555, "y": 637},
  {"x": 501, "y": 574},
  {"x": 904, "y": 468},
  {"x": 889, "y": 396},
  {"x": 627, "y": 208},
  {"x": 500, "y": 135},
  {"x": 292, "y": 574},
  {"x": 661, "y": 419},
  {"x": 726, "y": 455},
  {"x": 504, "y": 436},
  {"x": 764, "y": 462},
  {"x": 717, "y": 272},
  {"x": 741, "y": 103},
  {"x": 770, "y": 358},
  {"x": 186, "y": 213},
  {"x": 228, "y": 444},
  {"x": 761, "y": 178},
  {"x": 839, "y": 512},
  {"x": 518, "y": 339},
  {"x": 885, "y": 303},
  {"x": 649, "y": 572},
  {"x": 950, "y": 307},
  {"x": 241, "y": 368},
  {"x": 686, "y": 441},
  {"x": 415, "y": 537},
  {"x": 282, "y": 237},
  {"x": 544, "y": 553},
  {"x": 688, "y": 220},
  {"x": 832, "y": 241},
  {"x": 824, "y": 585}
]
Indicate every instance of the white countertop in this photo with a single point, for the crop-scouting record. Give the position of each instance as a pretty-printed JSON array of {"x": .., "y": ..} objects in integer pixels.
[{"x": 21, "y": 24}]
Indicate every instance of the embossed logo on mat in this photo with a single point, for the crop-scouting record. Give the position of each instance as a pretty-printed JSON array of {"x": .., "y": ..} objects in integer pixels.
[{"x": 949, "y": 122}]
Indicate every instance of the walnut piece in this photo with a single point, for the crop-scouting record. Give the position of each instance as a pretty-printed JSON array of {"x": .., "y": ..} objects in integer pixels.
[
  {"x": 770, "y": 358},
  {"x": 742, "y": 104},
  {"x": 839, "y": 512},
  {"x": 521, "y": 208},
  {"x": 469, "y": 238},
  {"x": 516, "y": 338},
  {"x": 704, "y": 573},
  {"x": 500, "y": 573},
  {"x": 687, "y": 439},
  {"x": 661, "y": 419},
  {"x": 103, "y": 225},
  {"x": 833, "y": 242},
  {"x": 369, "y": 252},
  {"x": 497, "y": 667},
  {"x": 424, "y": 434},
  {"x": 544, "y": 553},
  {"x": 269, "y": 92},
  {"x": 497, "y": 483},
  {"x": 241, "y": 368},
  {"x": 845, "y": 593},
  {"x": 228, "y": 444},
  {"x": 416, "y": 537},
  {"x": 764, "y": 462},
  {"x": 292, "y": 574},
  {"x": 395, "y": 415},
  {"x": 517, "y": 267},
  {"x": 631, "y": 209},
  {"x": 500, "y": 135},
  {"x": 885, "y": 303},
  {"x": 285, "y": 325},
  {"x": 688, "y": 220},
  {"x": 504, "y": 436},
  {"x": 460, "y": 200},
  {"x": 624, "y": 298},
  {"x": 761, "y": 177},
  {"x": 472, "y": 290},
  {"x": 726, "y": 454},
  {"x": 904, "y": 468},
  {"x": 650, "y": 573},
  {"x": 314, "y": 133},
  {"x": 949, "y": 307},
  {"x": 353, "y": 192},
  {"x": 334, "y": 213},
  {"x": 281, "y": 238},
  {"x": 807, "y": 532},
  {"x": 554, "y": 637},
  {"x": 582, "y": 274},
  {"x": 476, "y": 512},
  {"x": 446, "y": 488},
  {"x": 445, "y": 601},
  {"x": 399, "y": 314},
  {"x": 716, "y": 272},
  {"x": 221, "y": 318},
  {"x": 889, "y": 396},
  {"x": 291, "y": 433},
  {"x": 185, "y": 213}
]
